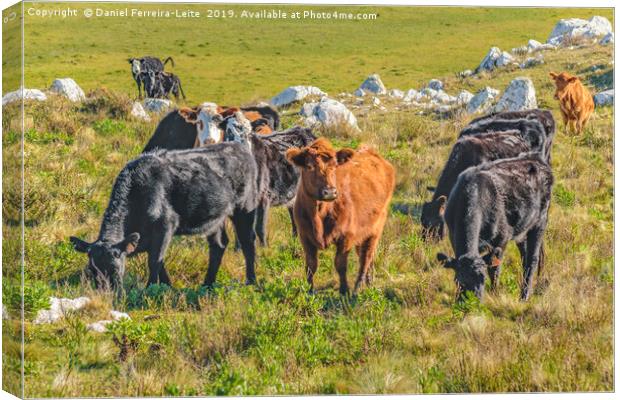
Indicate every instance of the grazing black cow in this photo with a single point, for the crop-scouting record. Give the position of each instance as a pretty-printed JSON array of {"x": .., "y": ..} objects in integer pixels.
[
  {"x": 140, "y": 66},
  {"x": 467, "y": 152},
  {"x": 531, "y": 129},
  {"x": 490, "y": 205},
  {"x": 545, "y": 117},
  {"x": 159, "y": 85},
  {"x": 166, "y": 193}
]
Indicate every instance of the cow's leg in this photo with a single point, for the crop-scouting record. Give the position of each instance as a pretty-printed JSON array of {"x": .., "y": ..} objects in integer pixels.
[
  {"x": 217, "y": 245},
  {"x": 244, "y": 229},
  {"x": 342, "y": 257},
  {"x": 312, "y": 262},
  {"x": 292, "y": 215},
  {"x": 158, "y": 251},
  {"x": 534, "y": 241},
  {"x": 261, "y": 222},
  {"x": 163, "y": 277},
  {"x": 366, "y": 252}
]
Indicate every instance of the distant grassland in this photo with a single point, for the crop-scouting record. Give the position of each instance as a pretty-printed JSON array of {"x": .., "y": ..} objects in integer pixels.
[{"x": 240, "y": 60}]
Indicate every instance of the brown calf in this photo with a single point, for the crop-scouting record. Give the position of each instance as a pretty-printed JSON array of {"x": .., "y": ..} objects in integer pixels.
[
  {"x": 576, "y": 103},
  {"x": 343, "y": 198}
]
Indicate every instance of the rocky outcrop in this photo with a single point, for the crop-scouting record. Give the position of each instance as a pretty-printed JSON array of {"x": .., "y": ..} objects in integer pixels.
[
  {"x": 157, "y": 105},
  {"x": 293, "y": 94},
  {"x": 495, "y": 58},
  {"x": 568, "y": 30},
  {"x": 29, "y": 94},
  {"x": 137, "y": 111},
  {"x": 68, "y": 88},
  {"x": 482, "y": 101},
  {"x": 58, "y": 308},
  {"x": 519, "y": 95},
  {"x": 373, "y": 84},
  {"x": 605, "y": 98},
  {"x": 328, "y": 112}
]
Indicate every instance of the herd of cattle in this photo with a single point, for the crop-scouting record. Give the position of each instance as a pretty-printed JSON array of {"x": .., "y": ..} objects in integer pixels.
[{"x": 207, "y": 164}]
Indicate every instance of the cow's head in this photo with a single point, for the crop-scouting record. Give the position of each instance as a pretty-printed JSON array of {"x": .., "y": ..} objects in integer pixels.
[
  {"x": 562, "y": 80},
  {"x": 208, "y": 123},
  {"x": 318, "y": 163},
  {"x": 106, "y": 261},
  {"x": 135, "y": 65},
  {"x": 238, "y": 129},
  {"x": 432, "y": 218},
  {"x": 469, "y": 273}
]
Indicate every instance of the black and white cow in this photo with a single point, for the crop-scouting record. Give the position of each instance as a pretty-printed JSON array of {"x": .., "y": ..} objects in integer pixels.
[
  {"x": 490, "y": 205},
  {"x": 141, "y": 66},
  {"x": 159, "y": 85},
  {"x": 162, "y": 194}
]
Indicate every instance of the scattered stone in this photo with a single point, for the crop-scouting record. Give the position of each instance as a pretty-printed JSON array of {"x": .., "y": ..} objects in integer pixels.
[
  {"x": 605, "y": 98},
  {"x": 374, "y": 85},
  {"x": 157, "y": 105},
  {"x": 520, "y": 50},
  {"x": 532, "y": 62},
  {"x": 29, "y": 94},
  {"x": 58, "y": 307},
  {"x": 412, "y": 95},
  {"x": 328, "y": 112},
  {"x": 576, "y": 28},
  {"x": 435, "y": 84},
  {"x": 428, "y": 92},
  {"x": 99, "y": 326},
  {"x": 376, "y": 102},
  {"x": 359, "y": 92},
  {"x": 607, "y": 39},
  {"x": 464, "y": 97},
  {"x": 442, "y": 97},
  {"x": 533, "y": 45},
  {"x": 69, "y": 88},
  {"x": 465, "y": 73},
  {"x": 396, "y": 94},
  {"x": 519, "y": 95},
  {"x": 117, "y": 315},
  {"x": 294, "y": 94},
  {"x": 137, "y": 111},
  {"x": 482, "y": 101},
  {"x": 495, "y": 58}
]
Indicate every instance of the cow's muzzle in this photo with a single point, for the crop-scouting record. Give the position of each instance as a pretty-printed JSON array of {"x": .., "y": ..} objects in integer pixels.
[{"x": 329, "y": 193}]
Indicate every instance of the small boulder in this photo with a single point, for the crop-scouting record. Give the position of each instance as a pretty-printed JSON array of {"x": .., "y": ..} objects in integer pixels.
[
  {"x": 442, "y": 97},
  {"x": 374, "y": 85},
  {"x": 576, "y": 28},
  {"x": 157, "y": 105},
  {"x": 607, "y": 39},
  {"x": 482, "y": 101},
  {"x": 519, "y": 95},
  {"x": 466, "y": 73},
  {"x": 435, "y": 84},
  {"x": 58, "y": 307},
  {"x": 5, "y": 314},
  {"x": 68, "y": 88},
  {"x": 429, "y": 93},
  {"x": 294, "y": 94},
  {"x": 118, "y": 315},
  {"x": 605, "y": 98},
  {"x": 137, "y": 111},
  {"x": 328, "y": 112},
  {"x": 533, "y": 45},
  {"x": 29, "y": 94},
  {"x": 99, "y": 326},
  {"x": 359, "y": 92},
  {"x": 396, "y": 94},
  {"x": 464, "y": 97},
  {"x": 532, "y": 62},
  {"x": 412, "y": 95},
  {"x": 495, "y": 58},
  {"x": 376, "y": 102}
]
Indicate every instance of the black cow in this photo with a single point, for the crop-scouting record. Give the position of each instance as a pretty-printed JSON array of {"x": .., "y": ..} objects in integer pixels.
[
  {"x": 166, "y": 193},
  {"x": 159, "y": 85},
  {"x": 139, "y": 66},
  {"x": 545, "y": 117},
  {"x": 532, "y": 129},
  {"x": 467, "y": 152},
  {"x": 490, "y": 205},
  {"x": 176, "y": 131}
]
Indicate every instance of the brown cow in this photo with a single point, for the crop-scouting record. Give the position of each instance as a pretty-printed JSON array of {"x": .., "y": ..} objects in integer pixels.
[
  {"x": 576, "y": 102},
  {"x": 343, "y": 199}
]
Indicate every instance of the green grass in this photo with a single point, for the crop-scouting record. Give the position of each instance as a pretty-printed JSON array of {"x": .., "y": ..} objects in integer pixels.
[{"x": 403, "y": 335}]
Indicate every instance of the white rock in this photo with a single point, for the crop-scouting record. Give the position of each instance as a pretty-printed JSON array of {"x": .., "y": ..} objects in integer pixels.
[
  {"x": 376, "y": 101},
  {"x": 442, "y": 97},
  {"x": 519, "y": 50},
  {"x": 5, "y": 314},
  {"x": 99, "y": 326},
  {"x": 607, "y": 39},
  {"x": 605, "y": 98},
  {"x": 429, "y": 93},
  {"x": 495, "y": 58},
  {"x": 118, "y": 315},
  {"x": 69, "y": 88},
  {"x": 137, "y": 111},
  {"x": 413, "y": 95},
  {"x": 464, "y": 97},
  {"x": 519, "y": 95},
  {"x": 328, "y": 112},
  {"x": 293, "y": 94},
  {"x": 359, "y": 92},
  {"x": 157, "y": 105},
  {"x": 465, "y": 73},
  {"x": 531, "y": 62},
  {"x": 533, "y": 45},
  {"x": 481, "y": 102},
  {"x": 396, "y": 94},
  {"x": 574, "y": 28},
  {"x": 58, "y": 307},
  {"x": 435, "y": 84},
  {"x": 374, "y": 85},
  {"x": 29, "y": 94}
]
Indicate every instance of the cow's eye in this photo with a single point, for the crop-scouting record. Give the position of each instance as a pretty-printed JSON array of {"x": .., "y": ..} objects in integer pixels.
[{"x": 310, "y": 167}]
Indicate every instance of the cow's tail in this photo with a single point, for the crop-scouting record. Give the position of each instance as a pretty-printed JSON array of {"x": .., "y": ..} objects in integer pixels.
[
  {"x": 541, "y": 259},
  {"x": 169, "y": 59},
  {"x": 181, "y": 90}
]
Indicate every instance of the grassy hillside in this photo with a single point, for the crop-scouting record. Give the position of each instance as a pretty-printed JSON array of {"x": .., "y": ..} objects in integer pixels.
[
  {"x": 403, "y": 335},
  {"x": 236, "y": 60}
]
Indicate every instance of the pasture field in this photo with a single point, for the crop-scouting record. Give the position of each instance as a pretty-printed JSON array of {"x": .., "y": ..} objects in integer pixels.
[{"x": 405, "y": 334}]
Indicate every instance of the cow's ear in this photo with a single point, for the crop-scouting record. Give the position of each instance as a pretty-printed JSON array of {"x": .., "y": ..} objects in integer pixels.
[
  {"x": 79, "y": 245},
  {"x": 447, "y": 262},
  {"x": 130, "y": 244},
  {"x": 296, "y": 156},
  {"x": 553, "y": 75},
  {"x": 190, "y": 115},
  {"x": 441, "y": 201},
  {"x": 573, "y": 79},
  {"x": 430, "y": 188},
  {"x": 344, "y": 155}
]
